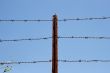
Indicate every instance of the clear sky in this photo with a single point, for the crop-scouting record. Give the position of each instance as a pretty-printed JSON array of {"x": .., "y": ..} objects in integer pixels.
[{"x": 68, "y": 48}]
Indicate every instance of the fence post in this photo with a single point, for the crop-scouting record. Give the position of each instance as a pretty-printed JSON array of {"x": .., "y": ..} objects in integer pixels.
[{"x": 55, "y": 45}]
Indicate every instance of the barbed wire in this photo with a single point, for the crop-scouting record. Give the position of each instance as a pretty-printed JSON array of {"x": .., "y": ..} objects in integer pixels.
[
  {"x": 32, "y": 20},
  {"x": 83, "y": 37},
  {"x": 60, "y": 37},
  {"x": 28, "y": 39},
  {"x": 23, "y": 62},
  {"x": 91, "y": 18},
  {"x": 84, "y": 60},
  {"x": 47, "y": 20},
  {"x": 47, "y": 61}
]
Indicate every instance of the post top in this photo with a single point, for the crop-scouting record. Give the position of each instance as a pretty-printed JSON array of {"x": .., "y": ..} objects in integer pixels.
[{"x": 54, "y": 15}]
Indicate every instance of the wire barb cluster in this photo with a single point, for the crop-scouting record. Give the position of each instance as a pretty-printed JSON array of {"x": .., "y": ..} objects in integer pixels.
[
  {"x": 46, "y": 20},
  {"x": 46, "y": 38},
  {"x": 47, "y": 61}
]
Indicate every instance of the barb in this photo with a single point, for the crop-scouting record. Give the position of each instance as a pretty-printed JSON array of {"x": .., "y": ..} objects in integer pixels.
[
  {"x": 78, "y": 19},
  {"x": 46, "y": 38},
  {"x": 47, "y": 61},
  {"x": 40, "y": 20}
]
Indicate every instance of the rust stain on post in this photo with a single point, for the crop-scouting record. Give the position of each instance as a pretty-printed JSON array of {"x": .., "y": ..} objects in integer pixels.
[{"x": 55, "y": 45}]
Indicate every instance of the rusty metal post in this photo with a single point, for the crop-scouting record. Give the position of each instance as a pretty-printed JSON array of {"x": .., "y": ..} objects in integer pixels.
[{"x": 55, "y": 45}]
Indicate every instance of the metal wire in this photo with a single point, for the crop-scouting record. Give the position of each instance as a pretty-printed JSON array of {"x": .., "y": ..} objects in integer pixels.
[
  {"x": 91, "y": 18},
  {"x": 28, "y": 39},
  {"x": 46, "y": 20},
  {"x": 60, "y": 37},
  {"x": 84, "y": 60},
  {"x": 47, "y": 61},
  {"x": 84, "y": 37},
  {"x": 23, "y": 62},
  {"x": 13, "y": 20}
]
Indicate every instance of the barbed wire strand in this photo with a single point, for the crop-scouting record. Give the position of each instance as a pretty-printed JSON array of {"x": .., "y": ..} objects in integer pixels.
[
  {"x": 46, "y": 38},
  {"x": 14, "y": 20},
  {"x": 40, "y": 20},
  {"x": 46, "y": 61},
  {"x": 28, "y": 39},
  {"x": 84, "y": 37},
  {"x": 91, "y": 18}
]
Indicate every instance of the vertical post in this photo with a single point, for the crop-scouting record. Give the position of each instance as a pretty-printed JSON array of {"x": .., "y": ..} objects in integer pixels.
[{"x": 55, "y": 45}]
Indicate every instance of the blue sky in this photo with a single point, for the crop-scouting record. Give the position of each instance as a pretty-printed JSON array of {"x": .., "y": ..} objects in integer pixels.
[{"x": 68, "y": 48}]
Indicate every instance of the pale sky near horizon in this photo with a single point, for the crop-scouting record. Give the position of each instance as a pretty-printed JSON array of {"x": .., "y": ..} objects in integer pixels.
[{"x": 74, "y": 49}]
